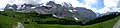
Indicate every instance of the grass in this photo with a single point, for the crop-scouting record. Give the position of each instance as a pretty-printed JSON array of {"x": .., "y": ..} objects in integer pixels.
[
  {"x": 7, "y": 22},
  {"x": 106, "y": 24},
  {"x": 8, "y": 19}
]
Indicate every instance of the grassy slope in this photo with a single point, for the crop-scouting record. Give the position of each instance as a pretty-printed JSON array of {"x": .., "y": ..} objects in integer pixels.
[
  {"x": 106, "y": 24},
  {"x": 7, "y": 20}
]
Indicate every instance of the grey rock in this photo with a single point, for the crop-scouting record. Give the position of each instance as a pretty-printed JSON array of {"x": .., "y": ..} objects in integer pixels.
[
  {"x": 85, "y": 15},
  {"x": 67, "y": 5},
  {"x": 7, "y": 6},
  {"x": 14, "y": 6},
  {"x": 62, "y": 12},
  {"x": 41, "y": 10}
]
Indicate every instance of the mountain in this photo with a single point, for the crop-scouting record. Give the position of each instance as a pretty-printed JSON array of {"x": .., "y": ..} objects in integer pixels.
[
  {"x": 84, "y": 14},
  {"x": 14, "y": 6},
  {"x": 7, "y": 6},
  {"x": 11, "y": 17},
  {"x": 64, "y": 11},
  {"x": 108, "y": 13}
]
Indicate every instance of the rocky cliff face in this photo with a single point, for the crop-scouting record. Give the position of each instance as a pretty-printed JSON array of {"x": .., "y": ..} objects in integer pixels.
[
  {"x": 84, "y": 14},
  {"x": 65, "y": 11}
]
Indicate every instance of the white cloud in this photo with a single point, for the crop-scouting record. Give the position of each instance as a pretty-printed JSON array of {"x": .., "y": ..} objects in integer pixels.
[
  {"x": 91, "y": 8},
  {"x": 75, "y": 3},
  {"x": 3, "y": 3},
  {"x": 89, "y": 2},
  {"x": 109, "y": 6},
  {"x": 110, "y": 3},
  {"x": 103, "y": 10}
]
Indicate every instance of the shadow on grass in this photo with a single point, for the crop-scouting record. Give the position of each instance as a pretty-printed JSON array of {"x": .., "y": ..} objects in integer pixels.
[
  {"x": 61, "y": 21},
  {"x": 71, "y": 22},
  {"x": 103, "y": 18}
]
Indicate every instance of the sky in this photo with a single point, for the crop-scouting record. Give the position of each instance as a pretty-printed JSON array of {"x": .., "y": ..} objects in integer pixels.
[{"x": 97, "y": 6}]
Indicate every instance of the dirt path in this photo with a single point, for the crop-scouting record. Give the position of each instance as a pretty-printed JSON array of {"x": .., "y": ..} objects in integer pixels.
[
  {"x": 117, "y": 25},
  {"x": 20, "y": 25}
]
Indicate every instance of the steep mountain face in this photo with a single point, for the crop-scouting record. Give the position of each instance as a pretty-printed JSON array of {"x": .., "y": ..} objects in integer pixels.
[
  {"x": 14, "y": 6},
  {"x": 46, "y": 9},
  {"x": 7, "y": 6},
  {"x": 65, "y": 11},
  {"x": 84, "y": 14}
]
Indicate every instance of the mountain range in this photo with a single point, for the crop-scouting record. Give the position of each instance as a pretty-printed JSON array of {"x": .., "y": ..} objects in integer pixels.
[{"x": 64, "y": 11}]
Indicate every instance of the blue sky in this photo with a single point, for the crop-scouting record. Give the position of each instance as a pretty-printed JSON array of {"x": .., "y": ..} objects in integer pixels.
[{"x": 98, "y": 5}]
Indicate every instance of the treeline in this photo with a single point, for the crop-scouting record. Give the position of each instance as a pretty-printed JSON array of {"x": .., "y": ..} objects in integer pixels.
[
  {"x": 71, "y": 22},
  {"x": 35, "y": 17},
  {"x": 104, "y": 18}
]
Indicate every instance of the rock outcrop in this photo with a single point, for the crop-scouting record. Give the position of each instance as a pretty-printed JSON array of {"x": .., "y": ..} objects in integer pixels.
[{"x": 65, "y": 11}]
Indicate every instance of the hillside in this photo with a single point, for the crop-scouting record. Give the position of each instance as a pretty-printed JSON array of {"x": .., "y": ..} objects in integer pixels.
[{"x": 8, "y": 19}]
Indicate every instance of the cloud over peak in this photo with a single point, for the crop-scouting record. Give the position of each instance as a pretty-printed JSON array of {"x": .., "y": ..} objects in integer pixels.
[{"x": 98, "y": 6}]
